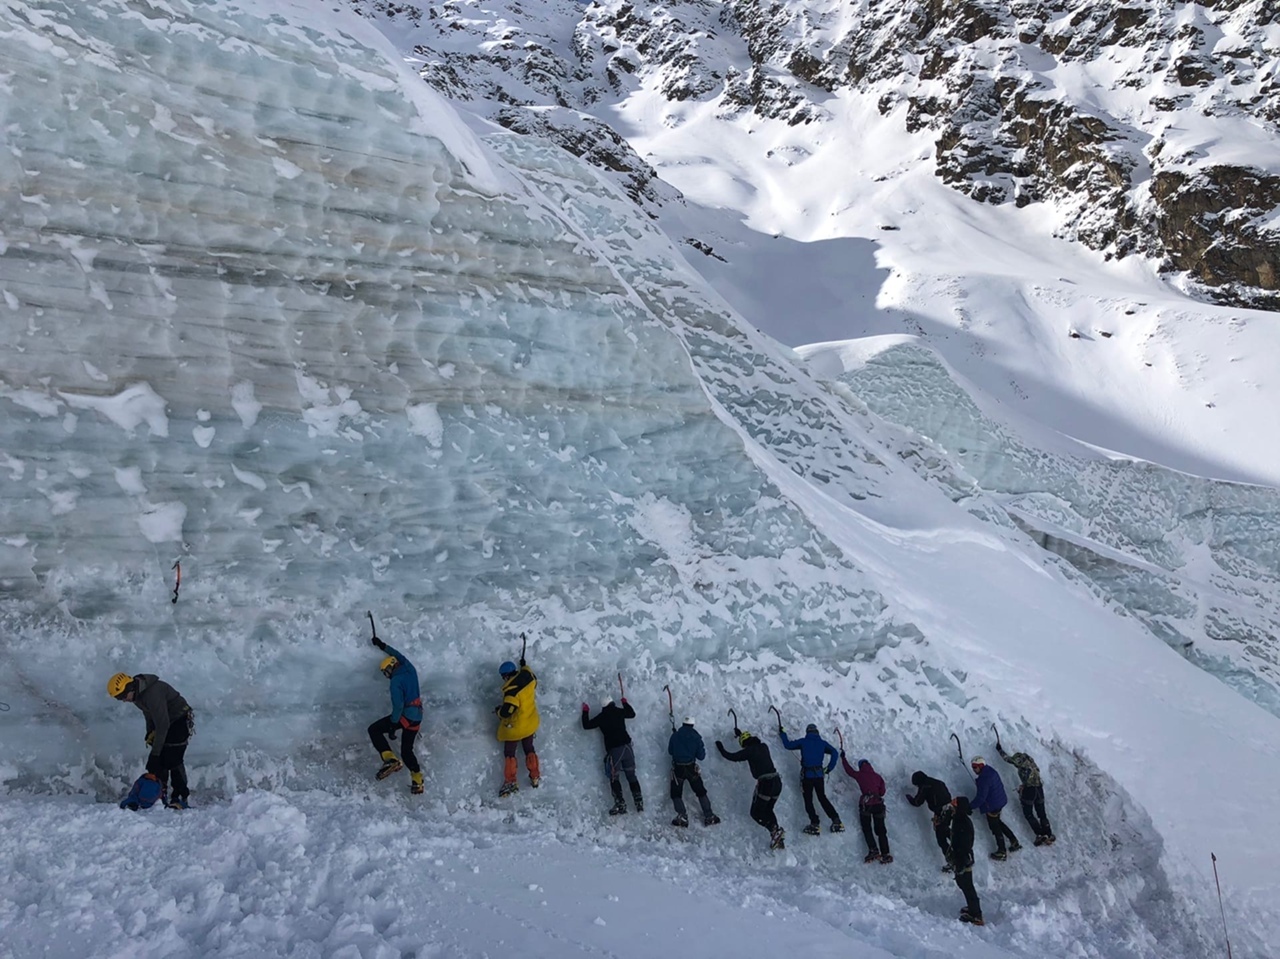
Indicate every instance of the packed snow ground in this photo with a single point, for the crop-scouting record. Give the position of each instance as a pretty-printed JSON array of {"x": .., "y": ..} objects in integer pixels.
[
  {"x": 354, "y": 875},
  {"x": 463, "y": 384}
]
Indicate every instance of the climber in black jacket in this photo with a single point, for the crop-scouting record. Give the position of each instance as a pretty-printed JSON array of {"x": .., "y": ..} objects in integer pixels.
[
  {"x": 768, "y": 783},
  {"x": 619, "y": 754},
  {"x": 934, "y": 792},
  {"x": 962, "y": 856}
]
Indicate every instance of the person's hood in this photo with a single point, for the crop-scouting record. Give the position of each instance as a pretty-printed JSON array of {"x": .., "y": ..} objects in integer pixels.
[
  {"x": 962, "y": 805},
  {"x": 918, "y": 777}
]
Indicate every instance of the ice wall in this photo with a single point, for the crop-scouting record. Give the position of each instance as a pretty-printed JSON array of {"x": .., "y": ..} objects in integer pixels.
[{"x": 275, "y": 314}]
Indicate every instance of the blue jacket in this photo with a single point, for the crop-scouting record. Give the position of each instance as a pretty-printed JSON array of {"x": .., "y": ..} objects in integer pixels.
[
  {"x": 813, "y": 748},
  {"x": 406, "y": 700},
  {"x": 991, "y": 796},
  {"x": 686, "y": 745}
]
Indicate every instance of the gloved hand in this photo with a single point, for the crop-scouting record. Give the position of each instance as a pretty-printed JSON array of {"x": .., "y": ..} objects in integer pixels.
[
  {"x": 375, "y": 641},
  {"x": 151, "y": 738},
  {"x": 586, "y": 708},
  {"x": 781, "y": 730},
  {"x": 624, "y": 700},
  {"x": 394, "y": 730},
  {"x": 153, "y": 765}
]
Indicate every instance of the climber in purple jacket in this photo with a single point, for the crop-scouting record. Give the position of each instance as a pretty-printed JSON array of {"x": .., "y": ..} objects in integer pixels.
[{"x": 870, "y": 809}]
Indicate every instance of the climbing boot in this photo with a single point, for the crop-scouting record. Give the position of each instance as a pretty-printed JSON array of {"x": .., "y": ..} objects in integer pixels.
[{"x": 389, "y": 765}]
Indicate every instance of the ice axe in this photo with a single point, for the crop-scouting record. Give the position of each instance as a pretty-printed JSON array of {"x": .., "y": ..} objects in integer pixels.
[
  {"x": 999, "y": 747},
  {"x": 959, "y": 750},
  {"x": 774, "y": 710},
  {"x": 671, "y": 712},
  {"x": 372, "y": 628},
  {"x": 736, "y": 730}
]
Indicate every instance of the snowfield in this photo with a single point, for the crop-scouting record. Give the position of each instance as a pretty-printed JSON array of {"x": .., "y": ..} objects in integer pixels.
[{"x": 279, "y": 312}]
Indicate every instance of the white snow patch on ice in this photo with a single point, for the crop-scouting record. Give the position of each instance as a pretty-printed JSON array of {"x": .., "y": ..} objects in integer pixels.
[{"x": 128, "y": 409}]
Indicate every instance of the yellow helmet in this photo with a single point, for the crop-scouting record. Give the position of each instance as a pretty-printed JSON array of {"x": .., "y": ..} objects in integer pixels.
[
  {"x": 743, "y": 737},
  {"x": 117, "y": 684},
  {"x": 388, "y": 666}
]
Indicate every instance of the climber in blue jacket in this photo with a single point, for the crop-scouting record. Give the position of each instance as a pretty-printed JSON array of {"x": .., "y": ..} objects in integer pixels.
[
  {"x": 405, "y": 716},
  {"x": 991, "y": 799},
  {"x": 813, "y": 750}
]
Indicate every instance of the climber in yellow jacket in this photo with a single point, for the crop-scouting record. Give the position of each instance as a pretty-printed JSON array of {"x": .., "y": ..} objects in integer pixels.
[{"x": 517, "y": 722}]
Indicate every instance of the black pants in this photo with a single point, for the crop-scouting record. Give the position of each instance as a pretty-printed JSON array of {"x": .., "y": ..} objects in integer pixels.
[
  {"x": 378, "y": 736},
  {"x": 942, "y": 831},
  {"x": 872, "y": 817},
  {"x": 812, "y": 786},
  {"x": 1000, "y": 831},
  {"x": 682, "y": 773},
  {"x": 1033, "y": 810},
  {"x": 964, "y": 879},
  {"x": 763, "y": 800},
  {"x": 621, "y": 761},
  {"x": 169, "y": 765},
  {"x": 509, "y": 747}
]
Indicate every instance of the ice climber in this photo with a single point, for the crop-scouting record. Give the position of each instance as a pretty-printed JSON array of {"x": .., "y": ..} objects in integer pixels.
[
  {"x": 1031, "y": 795},
  {"x": 169, "y": 727},
  {"x": 813, "y": 773},
  {"x": 962, "y": 855},
  {"x": 685, "y": 748},
  {"x": 935, "y": 793},
  {"x": 517, "y": 722},
  {"x": 405, "y": 716},
  {"x": 768, "y": 783},
  {"x": 870, "y": 809},
  {"x": 991, "y": 799},
  {"x": 619, "y": 754}
]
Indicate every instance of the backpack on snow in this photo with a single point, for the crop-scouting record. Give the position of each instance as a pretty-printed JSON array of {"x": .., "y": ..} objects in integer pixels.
[{"x": 146, "y": 792}]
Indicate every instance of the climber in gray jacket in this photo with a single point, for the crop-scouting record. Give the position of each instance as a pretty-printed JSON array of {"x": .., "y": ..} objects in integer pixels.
[{"x": 169, "y": 728}]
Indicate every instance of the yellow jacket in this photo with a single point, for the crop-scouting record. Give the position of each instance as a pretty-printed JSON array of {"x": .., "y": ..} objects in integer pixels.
[{"x": 518, "y": 714}]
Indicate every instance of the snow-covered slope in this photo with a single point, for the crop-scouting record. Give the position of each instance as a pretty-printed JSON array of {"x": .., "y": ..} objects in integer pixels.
[
  {"x": 276, "y": 313},
  {"x": 1027, "y": 185}
]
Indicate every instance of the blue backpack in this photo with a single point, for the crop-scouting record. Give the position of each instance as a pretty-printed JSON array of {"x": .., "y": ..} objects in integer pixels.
[{"x": 144, "y": 794}]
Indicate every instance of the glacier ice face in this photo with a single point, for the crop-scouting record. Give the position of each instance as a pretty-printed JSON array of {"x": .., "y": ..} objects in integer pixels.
[
  {"x": 1197, "y": 560},
  {"x": 265, "y": 321}
]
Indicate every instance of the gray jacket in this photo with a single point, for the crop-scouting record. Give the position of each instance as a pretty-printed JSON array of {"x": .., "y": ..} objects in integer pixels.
[{"x": 161, "y": 704}]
